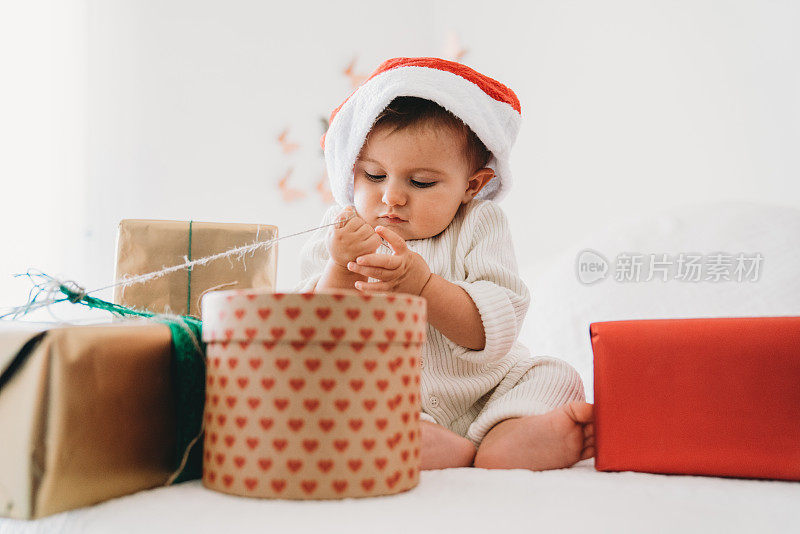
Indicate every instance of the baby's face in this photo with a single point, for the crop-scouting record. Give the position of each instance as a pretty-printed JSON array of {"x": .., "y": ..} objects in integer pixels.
[{"x": 419, "y": 174}]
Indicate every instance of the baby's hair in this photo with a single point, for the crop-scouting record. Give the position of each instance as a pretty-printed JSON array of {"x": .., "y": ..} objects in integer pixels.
[{"x": 405, "y": 111}]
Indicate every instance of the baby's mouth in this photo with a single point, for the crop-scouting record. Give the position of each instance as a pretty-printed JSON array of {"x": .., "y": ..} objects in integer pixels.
[{"x": 392, "y": 220}]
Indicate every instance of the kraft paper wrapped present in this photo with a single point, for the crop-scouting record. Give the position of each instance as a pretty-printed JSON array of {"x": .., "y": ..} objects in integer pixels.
[
  {"x": 716, "y": 397},
  {"x": 145, "y": 246},
  {"x": 87, "y": 413},
  {"x": 312, "y": 395}
]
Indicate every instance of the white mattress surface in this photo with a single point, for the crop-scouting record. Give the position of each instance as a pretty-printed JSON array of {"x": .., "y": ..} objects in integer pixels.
[{"x": 577, "y": 499}]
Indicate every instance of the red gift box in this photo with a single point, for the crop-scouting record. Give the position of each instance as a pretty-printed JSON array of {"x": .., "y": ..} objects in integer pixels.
[{"x": 716, "y": 397}]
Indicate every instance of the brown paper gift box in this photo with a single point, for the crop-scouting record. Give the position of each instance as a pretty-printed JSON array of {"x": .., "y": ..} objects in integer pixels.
[
  {"x": 145, "y": 246},
  {"x": 86, "y": 414},
  {"x": 312, "y": 395}
]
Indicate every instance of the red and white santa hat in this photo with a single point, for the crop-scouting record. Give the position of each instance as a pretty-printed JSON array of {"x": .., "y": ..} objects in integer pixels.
[{"x": 487, "y": 106}]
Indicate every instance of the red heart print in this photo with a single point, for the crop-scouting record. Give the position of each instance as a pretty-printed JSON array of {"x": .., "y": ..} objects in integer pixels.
[
  {"x": 213, "y": 437},
  {"x": 328, "y": 345},
  {"x": 268, "y": 345},
  {"x": 232, "y": 362},
  {"x": 282, "y": 363},
  {"x": 404, "y": 455},
  {"x": 383, "y": 347},
  {"x": 255, "y": 363},
  {"x": 382, "y": 384},
  {"x": 405, "y": 417},
  {"x": 238, "y": 461},
  {"x": 264, "y": 463},
  {"x": 252, "y": 442},
  {"x": 221, "y": 419},
  {"x": 223, "y": 381},
  {"x": 325, "y": 465},
  {"x": 227, "y": 480},
  {"x": 369, "y": 404},
  {"x": 210, "y": 380},
  {"x": 378, "y": 314},
  {"x": 308, "y": 486},
  {"x": 338, "y": 333},
  {"x": 298, "y": 345},
  {"x": 368, "y": 483},
  {"x": 339, "y": 485},
  {"x": 355, "y": 424},
  {"x": 297, "y": 383},
  {"x": 391, "y": 481},
  {"x": 267, "y": 383},
  {"x": 366, "y": 333},
  {"x": 380, "y": 463},
  {"x": 281, "y": 404},
  {"x": 277, "y": 332},
  {"x": 326, "y": 424},
  {"x": 412, "y": 397},
  {"x": 295, "y": 424},
  {"x": 338, "y": 297},
  {"x": 212, "y": 476},
  {"x": 278, "y": 296},
  {"x": 312, "y": 365},
  {"x": 327, "y": 383},
  {"x": 412, "y": 362},
  {"x": 250, "y": 333},
  {"x": 415, "y": 317},
  {"x": 279, "y": 444},
  {"x": 343, "y": 365},
  {"x": 311, "y": 404},
  {"x": 244, "y": 344},
  {"x": 352, "y": 313},
  {"x": 356, "y": 384},
  {"x": 411, "y": 435},
  {"x": 370, "y": 365},
  {"x": 230, "y": 440},
  {"x": 406, "y": 380},
  {"x": 220, "y": 458},
  {"x": 307, "y": 296},
  {"x": 323, "y": 313},
  {"x": 294, "y": 465},
  {"x": 354, "y": 465},
  {"x": 416, "y": 452},
  {"x": 368, "y": 444},
  {"x": 278, "y": 485},
  {"x": 292, "y": 313},
  {"x": 357, "y": 346},
  {"x": 390, "y": 334},
  {"x": 341, "y": 444},
  {"x": 216, "y": 362},
  {"x": 249, "y": 296},
  {"x": 391, "y": 298},
  {"x": 400, "y": 316},
  {"x": 254, "y": 402},
  {"x": 308, "y": 332},
  {"x": 266, "y": 423},
  {"x": 241, "y": 421},
  {"x": 310, "y": 444},
  {"x": 215, "y": 399},
  {"x": 381, "y": 423},
  {"x": 366, "y": 297},
  {"x": 264, "y": 313},
  {"x": 341, "y": 404},
  {"x": 229, "y": 334},
  {"x": 242, "y": 381},
  {"x": 251, "y": 483},
  {"x": 239, "y": 313},
  {"x": 411, "y": 472},
  {"x": 230, "y": 401}
]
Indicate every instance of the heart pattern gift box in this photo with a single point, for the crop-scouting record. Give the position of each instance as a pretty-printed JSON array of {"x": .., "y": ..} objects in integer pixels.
[{"x": 312, "y": 395}]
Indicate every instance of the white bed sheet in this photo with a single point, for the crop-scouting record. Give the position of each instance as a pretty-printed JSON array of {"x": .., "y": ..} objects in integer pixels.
[{"x": 578, "y": 499}]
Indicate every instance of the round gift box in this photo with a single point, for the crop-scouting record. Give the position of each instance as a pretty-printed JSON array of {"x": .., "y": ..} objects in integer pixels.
[{"x": 312, "y": 395}]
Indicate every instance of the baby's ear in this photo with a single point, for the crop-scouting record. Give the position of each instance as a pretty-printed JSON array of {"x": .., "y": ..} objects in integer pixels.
[{"x": 477, "y": 181}]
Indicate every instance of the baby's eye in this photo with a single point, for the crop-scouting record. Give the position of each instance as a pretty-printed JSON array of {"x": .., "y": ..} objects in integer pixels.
[
  {"x": 374, "y": 177},
  {"x": 422, "y": 184}
]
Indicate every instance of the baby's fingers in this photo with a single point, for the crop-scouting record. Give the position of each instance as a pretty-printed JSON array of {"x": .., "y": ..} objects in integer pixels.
[
  {"x": 374, "y": 272},
  {"x": 387, "y": 261}
]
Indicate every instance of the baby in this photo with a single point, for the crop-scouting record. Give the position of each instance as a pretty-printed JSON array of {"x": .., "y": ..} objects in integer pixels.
[{"x": 418, "y": 155}]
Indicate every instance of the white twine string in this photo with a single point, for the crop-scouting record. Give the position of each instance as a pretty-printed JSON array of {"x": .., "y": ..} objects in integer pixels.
[{"x": 51, "y": 287}]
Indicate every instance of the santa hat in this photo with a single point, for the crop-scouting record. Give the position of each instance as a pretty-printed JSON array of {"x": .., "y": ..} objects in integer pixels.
[{"x": 487, "y": 106}]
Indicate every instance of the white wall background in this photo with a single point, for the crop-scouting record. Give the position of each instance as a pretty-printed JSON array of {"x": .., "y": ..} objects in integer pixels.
[{"x": 141, "y": 109}]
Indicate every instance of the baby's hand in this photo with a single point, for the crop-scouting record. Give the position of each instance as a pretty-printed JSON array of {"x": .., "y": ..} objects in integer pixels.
[
  {"x": 405, "y": 271},
  {"x": 348, "y": 240}
]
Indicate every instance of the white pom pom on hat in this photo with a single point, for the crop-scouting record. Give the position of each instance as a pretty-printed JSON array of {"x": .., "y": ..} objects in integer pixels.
[{"x": 488, "y": 107}]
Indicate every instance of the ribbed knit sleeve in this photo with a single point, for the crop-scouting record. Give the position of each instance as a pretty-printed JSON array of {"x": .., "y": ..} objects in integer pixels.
[
  {"x": 493, "y": 281},
  {"x": 314, "y": 254}
]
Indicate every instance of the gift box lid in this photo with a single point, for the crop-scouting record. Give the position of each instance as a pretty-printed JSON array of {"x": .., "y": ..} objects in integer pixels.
[{"x": 322, "y": 317}]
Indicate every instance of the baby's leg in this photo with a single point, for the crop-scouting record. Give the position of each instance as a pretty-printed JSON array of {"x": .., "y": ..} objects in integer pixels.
[{"x": 443, "y": 448}]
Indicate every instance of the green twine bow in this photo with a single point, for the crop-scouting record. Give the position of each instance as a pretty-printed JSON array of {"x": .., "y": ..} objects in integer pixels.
[{"x": 187, "y": 365}]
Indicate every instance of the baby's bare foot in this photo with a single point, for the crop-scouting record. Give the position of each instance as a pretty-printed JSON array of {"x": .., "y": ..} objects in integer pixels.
[
  {"x": 442, "y": 448},
  {"x": 553, "y": 440}
]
